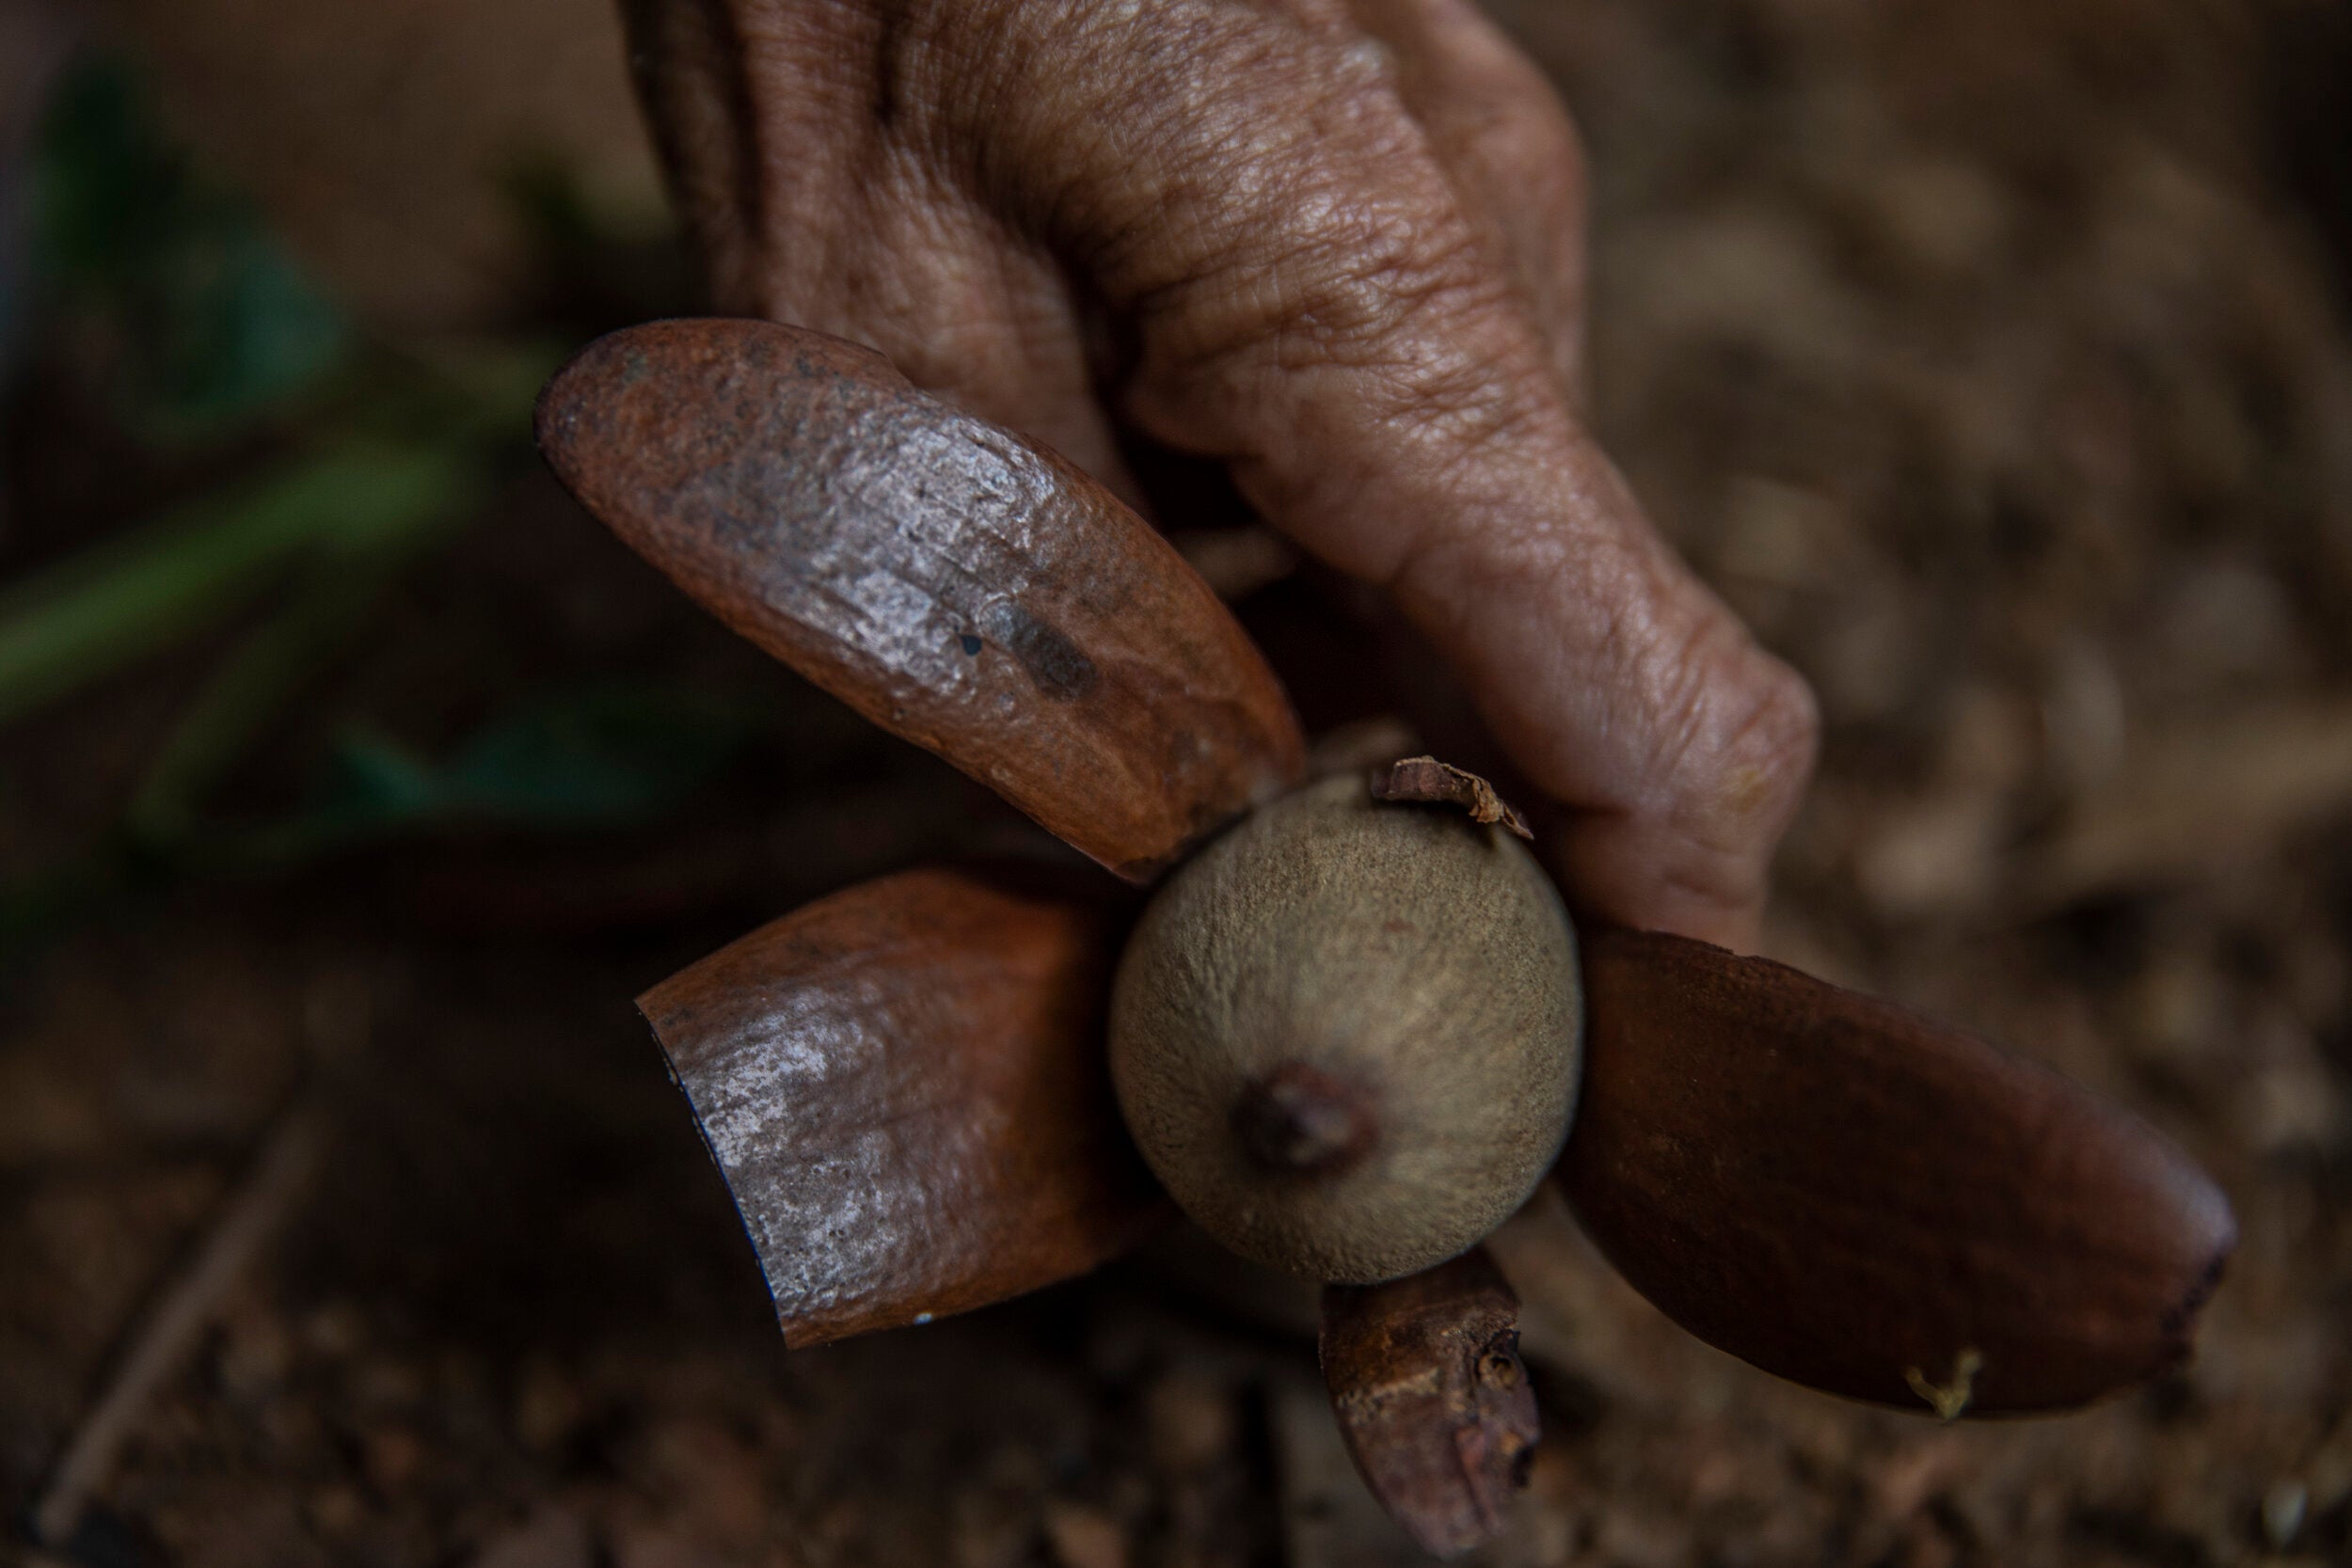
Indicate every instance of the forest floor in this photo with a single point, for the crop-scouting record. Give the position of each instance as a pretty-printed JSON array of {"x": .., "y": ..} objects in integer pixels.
[{"x": 1993, "y": 361}]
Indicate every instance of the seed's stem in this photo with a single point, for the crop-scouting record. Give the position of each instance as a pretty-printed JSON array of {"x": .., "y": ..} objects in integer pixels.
[{"x": 1302, "y": 1118}]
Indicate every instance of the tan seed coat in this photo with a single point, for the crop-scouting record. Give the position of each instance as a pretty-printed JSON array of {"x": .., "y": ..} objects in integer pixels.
[{"x": 1420, "y": 960}]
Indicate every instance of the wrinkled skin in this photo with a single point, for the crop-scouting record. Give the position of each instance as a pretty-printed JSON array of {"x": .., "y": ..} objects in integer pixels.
[{"x": 1335, "y": 245}]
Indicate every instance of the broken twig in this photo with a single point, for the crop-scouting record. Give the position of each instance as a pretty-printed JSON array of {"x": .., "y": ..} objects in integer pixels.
[{"x": 177, "y": 1318}]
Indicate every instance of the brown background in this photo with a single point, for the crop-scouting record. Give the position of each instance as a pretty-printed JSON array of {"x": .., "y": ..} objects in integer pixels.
[{"x": 1988, "y": 354}]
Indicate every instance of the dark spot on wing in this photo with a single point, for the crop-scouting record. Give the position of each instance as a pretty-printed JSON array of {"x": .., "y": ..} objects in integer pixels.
[{"x": 1054, "y": 662}]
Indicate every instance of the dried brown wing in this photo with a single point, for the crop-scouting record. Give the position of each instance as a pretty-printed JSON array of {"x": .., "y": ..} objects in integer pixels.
[
  {"x": 904, "y": 1084},
  {"x": 953, "y": 581},
  {"x": 1871, "y": 1202},
  {"x": 1432, "y": 1399}
]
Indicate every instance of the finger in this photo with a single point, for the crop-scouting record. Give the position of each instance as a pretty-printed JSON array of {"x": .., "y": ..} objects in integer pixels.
[
  {"x": 811, "y": 210},
  {"x": 1507, "y": 146},
  {"x": 1312, "y": 305},
  {"x": 686, "y": 59},
  {"x": 904, "y": 1087},
  {"x": 1871, "y": 1203},
  {"x": 957, "y": 585},
  {"x": 964, "y": 311}
]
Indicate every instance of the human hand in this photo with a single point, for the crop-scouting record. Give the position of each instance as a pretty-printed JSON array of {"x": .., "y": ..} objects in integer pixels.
[{"x": 1336, "y": 245}]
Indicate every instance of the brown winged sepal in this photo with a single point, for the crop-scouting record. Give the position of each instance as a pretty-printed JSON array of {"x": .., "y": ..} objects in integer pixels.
[
  {"x": 1872, "y": 1203},
  {"x": 1432, "y": 1399},
  {"x": 954, "y": 582},
  {"x": 904, "y": 1084}
]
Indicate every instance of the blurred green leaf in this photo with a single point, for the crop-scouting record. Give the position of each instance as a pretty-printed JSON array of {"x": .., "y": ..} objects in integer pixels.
[
  {"x": 375, "y": 781},
  {"x": 599, "y": 758},
  {"x": 603, "y": 757},
  {"x": 210, "y": 324},
  {"x": 87, "y": 617},
  {"x": 329, "y": 610}
]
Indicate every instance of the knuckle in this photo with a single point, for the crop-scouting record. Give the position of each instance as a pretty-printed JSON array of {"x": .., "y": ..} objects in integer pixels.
[
  {"x": 1368, "y": 276},
  {"x": 1782, "y": 733},
  {"x": 1386, "y": 279},
  {"x": 1748, "y": 728}
]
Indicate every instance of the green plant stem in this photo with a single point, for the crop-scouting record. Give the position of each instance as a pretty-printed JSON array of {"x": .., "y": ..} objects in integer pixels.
[
  {"x": 86, "y": 618},
  {"x": 325, "y": 615}
]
